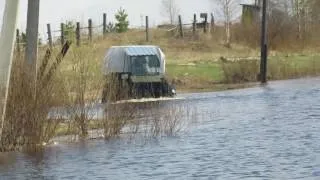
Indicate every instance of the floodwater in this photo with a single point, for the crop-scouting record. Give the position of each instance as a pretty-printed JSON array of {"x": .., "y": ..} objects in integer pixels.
[{"x": 270, "y": 132}]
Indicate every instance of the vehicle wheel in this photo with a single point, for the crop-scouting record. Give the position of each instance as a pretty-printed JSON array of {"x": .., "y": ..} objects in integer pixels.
[
  {"x": 104, "y": 95},
  {"x": 157, "y": 90}
]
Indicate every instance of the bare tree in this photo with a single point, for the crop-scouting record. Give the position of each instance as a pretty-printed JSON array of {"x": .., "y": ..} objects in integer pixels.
[
  {"x": 315, "y": 10},
  {"x": 228, "y": 10},
  {"x": 170, "y": 9},
  {"x": 301, "y": 13}
]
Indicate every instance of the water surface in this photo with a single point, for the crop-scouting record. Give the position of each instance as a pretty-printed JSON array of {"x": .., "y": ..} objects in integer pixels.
[{"x": 269, "y": 132}]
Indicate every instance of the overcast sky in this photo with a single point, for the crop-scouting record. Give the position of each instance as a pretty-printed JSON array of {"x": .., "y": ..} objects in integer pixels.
[{"x": 56, "y": 11}]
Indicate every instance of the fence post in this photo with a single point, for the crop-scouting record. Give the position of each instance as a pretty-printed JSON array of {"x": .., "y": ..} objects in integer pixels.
[
  {"x": 194, "y": 25},
  {"x": 212, "y": 22},
  {"x": 104, "y": 24},
  {"x": 180, "y": 26},
  {"x": 18, "y": 41},
  {"x": 49, "y": 35},
  {"x": 90, "y": 29},
  {"x": 147, "y": 28},
  {"x": 205, "y": 24},
  {"x": 62, "y": 33},
  {"x": 78, "y": 34}
]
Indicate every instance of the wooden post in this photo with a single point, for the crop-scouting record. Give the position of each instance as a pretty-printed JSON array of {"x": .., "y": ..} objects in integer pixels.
[
  {"x": 62, "y": 33},
  {"x": 194, "y": 25},
  {"x": 18, "y": 41},
  {"x": 147, "y": 28},
  {"x": 104, "y": 24},
  {"x": 44, "y": 64},
  {"x": 264, "y": 47},
  {"x": 90, "y": 29},
  {"x": 205, "y": 24},
  {"x": 212, "y": 23},
  {"x": 60, "y": 56},
  {"x": 180, "y": 26},
  {"x": 78, "y": 34},
  {"x": 49, "y": 35}
]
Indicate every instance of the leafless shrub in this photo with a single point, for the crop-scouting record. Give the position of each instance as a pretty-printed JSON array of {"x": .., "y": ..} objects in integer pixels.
[
  {"x": 147, "y": 119},
  {"x": 240, "y": 71},
  {"x": 84, "y": 87},
  {"x": 26, "y": 124}
]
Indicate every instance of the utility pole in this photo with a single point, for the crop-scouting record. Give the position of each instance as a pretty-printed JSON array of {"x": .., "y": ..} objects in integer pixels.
[
  {"x": 32, "y": 37},
  {"x": 7, "y": 38},
  {"x": 264, "y": 46}
]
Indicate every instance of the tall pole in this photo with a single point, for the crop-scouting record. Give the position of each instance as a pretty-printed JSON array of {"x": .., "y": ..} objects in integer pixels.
[
  {"x": 32, "y": 37},
  {"x": 264, "y": 47},
  {"x": 7, "y": 38}
]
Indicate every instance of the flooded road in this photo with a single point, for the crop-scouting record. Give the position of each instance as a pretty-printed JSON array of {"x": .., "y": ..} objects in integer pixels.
[{"x": 270, "y": 132}]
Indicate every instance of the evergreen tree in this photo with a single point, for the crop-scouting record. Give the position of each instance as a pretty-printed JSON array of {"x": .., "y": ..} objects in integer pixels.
[
  {"x": 122, "y": 22},
  {"x": 70, "y": 31}
]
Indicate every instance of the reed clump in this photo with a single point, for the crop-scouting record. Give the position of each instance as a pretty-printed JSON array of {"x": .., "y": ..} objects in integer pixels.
[
  {"x": 84, "y": 87},
  {"x": 147, "y": 119},
  {"x": 26, "y": 124},
  {"x": 30, "y": 97}
]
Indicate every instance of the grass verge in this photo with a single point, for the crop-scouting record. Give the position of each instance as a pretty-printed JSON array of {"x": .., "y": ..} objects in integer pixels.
[{"x": 227, "y": 74}]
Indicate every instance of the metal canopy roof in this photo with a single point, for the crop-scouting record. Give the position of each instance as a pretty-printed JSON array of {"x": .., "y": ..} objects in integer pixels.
[{"x": 141, "y": 51}]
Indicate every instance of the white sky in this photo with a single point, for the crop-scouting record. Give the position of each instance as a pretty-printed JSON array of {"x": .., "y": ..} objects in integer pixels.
[{"x": 57, "y": 11}]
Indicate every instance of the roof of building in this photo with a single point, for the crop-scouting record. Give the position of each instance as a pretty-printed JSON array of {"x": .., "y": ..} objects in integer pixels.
[{"x": 139, "y": 50}]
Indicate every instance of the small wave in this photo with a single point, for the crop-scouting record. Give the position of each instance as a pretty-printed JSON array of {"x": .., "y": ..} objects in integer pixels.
[{"x": 148, "y": 100}]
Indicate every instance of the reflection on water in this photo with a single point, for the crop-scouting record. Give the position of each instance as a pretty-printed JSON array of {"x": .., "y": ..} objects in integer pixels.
[{"x": 267, "y": 132}]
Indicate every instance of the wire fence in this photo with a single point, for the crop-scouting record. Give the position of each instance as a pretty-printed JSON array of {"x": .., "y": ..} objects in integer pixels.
[{"x": 86, "y": 33}]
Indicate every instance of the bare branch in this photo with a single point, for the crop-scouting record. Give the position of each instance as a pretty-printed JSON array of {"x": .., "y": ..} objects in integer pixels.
[{"x": 170, "y": 10}]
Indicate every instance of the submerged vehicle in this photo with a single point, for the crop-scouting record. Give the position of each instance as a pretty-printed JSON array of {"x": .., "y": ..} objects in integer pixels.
[{"x": 133, "y": 72}]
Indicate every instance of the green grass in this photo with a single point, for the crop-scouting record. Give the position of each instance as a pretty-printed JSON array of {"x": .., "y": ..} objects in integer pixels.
[
  {"x": 64, "y": 129},
  {"x": 208, "y": 71},
  {"x": 301, "y": 61},
  {"x": 279, "y": 67}
]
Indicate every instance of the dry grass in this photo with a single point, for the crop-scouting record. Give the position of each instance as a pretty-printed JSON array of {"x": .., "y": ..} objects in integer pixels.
[
  {"x": 202, "y": 47},
  {"x": 148, "y": 119},
  {"x": 139, "y": 119},
  {"x": 26, "y": 124},
  {"x": 278, "y": 68},
  {"x": 205, "y": 50}
]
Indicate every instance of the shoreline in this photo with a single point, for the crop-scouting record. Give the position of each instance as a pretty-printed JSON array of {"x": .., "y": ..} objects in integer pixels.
[{"x": 218, "y": 87}]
